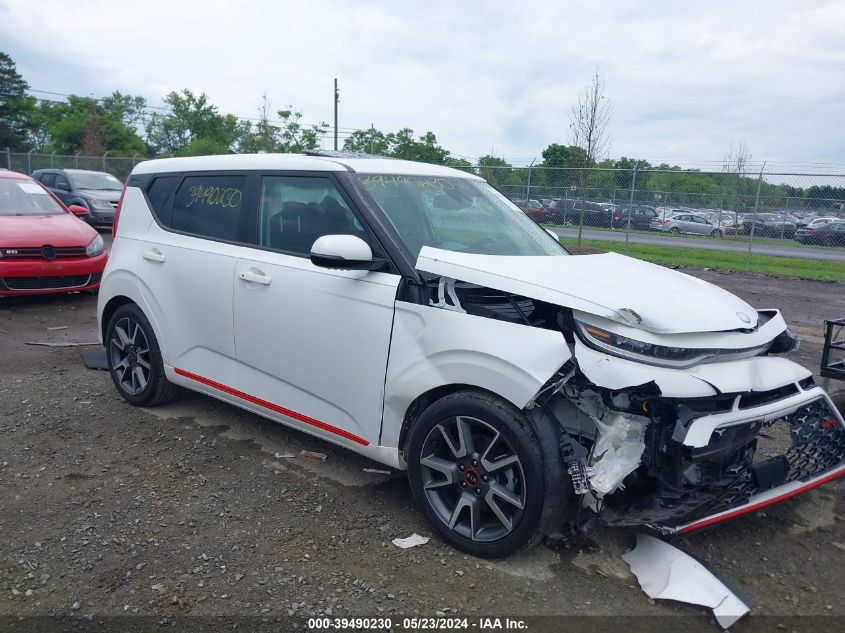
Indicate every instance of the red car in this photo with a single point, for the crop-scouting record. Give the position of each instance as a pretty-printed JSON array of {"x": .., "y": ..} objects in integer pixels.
[{"x": 44, "y": 247}]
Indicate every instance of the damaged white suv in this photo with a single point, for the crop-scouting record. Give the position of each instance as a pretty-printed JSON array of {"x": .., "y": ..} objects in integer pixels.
[{"x": 413, "y": 314}]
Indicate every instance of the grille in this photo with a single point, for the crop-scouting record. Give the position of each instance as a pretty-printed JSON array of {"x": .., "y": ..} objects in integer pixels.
[
  {"x": 49, "y": 283},
  {"x": 37, "y": 252}
]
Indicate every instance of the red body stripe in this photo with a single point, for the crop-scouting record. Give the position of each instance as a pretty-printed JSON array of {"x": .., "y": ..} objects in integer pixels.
[
  {"x": 768, "y": 502},
  {"x": 272, "y": 407}
]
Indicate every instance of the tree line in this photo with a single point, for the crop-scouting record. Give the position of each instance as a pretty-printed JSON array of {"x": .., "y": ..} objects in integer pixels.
[{"x": 188, "y": 124}]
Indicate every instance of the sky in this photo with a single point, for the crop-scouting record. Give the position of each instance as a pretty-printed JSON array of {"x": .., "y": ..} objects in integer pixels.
[{"x": 685, "y": 80}]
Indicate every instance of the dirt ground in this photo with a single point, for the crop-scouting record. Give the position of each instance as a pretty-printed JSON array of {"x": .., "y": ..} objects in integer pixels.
[{"x": 195, "y": 508}]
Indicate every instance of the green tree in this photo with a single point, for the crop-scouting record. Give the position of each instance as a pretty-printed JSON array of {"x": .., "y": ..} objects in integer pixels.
[
  {"x": 17, "y": 109},
  {"x": 66, "y": 127},
  {"x": 192, "y": 117},
  {"x": 370, "y": 141},
  {"x": 288, "y": 134},
  {"x": 401, "y": 144},
  {"x": 556, "y": 155}
]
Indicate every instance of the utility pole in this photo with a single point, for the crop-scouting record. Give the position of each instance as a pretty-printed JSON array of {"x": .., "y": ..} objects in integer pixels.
[{"x": 336, "y": 99}]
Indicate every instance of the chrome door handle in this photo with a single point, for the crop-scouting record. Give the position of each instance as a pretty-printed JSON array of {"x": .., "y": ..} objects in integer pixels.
[
  {"x": 155, "y": 255},
  {"x": 256, "y": 278}
]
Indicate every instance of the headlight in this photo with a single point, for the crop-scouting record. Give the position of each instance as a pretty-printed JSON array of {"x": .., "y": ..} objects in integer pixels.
[
  {"x": 95, "y": 246},
  {"x": 662, "y": 355},
  {"x": 98, "y": 203}
]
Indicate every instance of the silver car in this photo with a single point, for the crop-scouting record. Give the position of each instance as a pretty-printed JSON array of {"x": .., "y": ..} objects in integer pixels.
[{"x": 687, "y": 223}]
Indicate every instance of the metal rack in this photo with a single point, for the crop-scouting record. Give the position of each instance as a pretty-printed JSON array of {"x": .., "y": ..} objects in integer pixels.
[{"x": 833, "y": 352}]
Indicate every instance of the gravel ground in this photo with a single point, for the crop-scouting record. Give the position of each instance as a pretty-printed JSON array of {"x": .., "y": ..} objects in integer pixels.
[{"x": 194, "y": 507}]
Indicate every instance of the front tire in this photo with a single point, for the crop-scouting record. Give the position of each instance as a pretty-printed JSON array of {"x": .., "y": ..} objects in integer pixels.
[
  {"x": 716, "y": 233},
  {"x": 134, "y": 357},
  {"x": 476, "y": 470}
]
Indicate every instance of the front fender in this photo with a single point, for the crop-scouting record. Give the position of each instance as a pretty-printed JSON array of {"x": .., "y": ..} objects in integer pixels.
[{"x": 433, "y": 347}]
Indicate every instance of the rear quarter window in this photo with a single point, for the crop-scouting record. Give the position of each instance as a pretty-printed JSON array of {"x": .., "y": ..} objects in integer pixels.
[
  {"x": 209, "y": 206},
  {"x": 159, "y": 192}
]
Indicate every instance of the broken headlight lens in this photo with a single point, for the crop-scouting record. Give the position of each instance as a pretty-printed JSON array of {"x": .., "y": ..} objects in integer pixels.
[{"x": 662, "y": 355}]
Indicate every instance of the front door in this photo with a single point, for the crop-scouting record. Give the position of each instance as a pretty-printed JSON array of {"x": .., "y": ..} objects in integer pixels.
[{"x": 311, "y": 343}]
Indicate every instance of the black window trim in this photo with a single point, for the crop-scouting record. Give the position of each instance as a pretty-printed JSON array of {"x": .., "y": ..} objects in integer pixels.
[
  {"x": 375, "y": 242},
  {"x": 248, "y": 227},
  {"x": 144, "y": 182}
]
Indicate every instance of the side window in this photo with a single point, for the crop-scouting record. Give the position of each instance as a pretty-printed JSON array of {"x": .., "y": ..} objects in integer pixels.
[
  {"x": 62, "y": 182},
  {"x": 48, "y": 179},
  {"x": 296, "y": 210},
  {"x": 209, "y": 206},
  {"x": 159, "y": 192}
]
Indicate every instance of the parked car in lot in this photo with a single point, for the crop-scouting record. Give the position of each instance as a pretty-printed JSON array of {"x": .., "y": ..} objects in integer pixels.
[
  {"x": 726, "y": 221},
  {"x": 534, "y": 209},
  {"x": 413, "y": 314},
  {"x": 802, "y": 234},
  {"x": 96, "y": 191},
  {"x": 686, "y": 223},
  {"x": 641, "y": 216},
  {"x": 568, "y": 211},
  {"x": 44, "y": 247},
  {"x": 824, "y": 233},
  {"x": 767, "y": 225}
]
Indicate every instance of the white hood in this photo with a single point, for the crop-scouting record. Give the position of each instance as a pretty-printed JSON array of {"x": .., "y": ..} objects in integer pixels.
[{"x": 619, "y": 288}]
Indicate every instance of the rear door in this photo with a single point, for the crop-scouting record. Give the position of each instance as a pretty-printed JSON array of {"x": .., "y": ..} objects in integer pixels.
[
  {"x": 311, "y": 342},
  {"x": 186, "y": 268}
]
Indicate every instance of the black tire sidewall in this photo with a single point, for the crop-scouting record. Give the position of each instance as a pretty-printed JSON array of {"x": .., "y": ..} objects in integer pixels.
[
  {"x": 517, "y": 431},
  {"x": 156, "y": 363}
]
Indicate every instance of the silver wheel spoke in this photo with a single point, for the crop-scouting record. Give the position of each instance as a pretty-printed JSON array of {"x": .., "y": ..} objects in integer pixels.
[
  {"x": 135, "y": 334},
  {"x": 463, "y": 502},
  {"x": 491, "y": 503},
  {"x": 465, "y": 436},
  {"x": 123, "y": 336},
  {"x": 503, "y": 493},
  {"x": 142, "y": 379},
  {"x": 500, "y": 463},
  {"x": 443, "y": 466},
  {"x": 123, "y": 365}
]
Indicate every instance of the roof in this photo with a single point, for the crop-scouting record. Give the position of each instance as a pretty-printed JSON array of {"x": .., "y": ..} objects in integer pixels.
[
  {"x": 4, "y": 173},
  {"x": 299, "y": 162}
]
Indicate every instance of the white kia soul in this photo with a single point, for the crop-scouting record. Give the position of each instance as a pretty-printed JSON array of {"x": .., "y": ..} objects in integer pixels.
[{"x": 413, "y": 314}]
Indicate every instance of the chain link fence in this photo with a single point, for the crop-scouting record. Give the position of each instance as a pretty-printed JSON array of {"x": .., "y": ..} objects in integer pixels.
[
  {"x": 28, "y": 162},
  {"x": 783, "y": 223},
  {"x": 777, "y": 222}
]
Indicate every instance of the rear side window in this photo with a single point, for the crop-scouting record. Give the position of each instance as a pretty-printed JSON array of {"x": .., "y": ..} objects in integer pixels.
[
  {"x": 209, "y": 206},
  {"x": 159, "y": 193},
  {"x": 48, "y": 179}
]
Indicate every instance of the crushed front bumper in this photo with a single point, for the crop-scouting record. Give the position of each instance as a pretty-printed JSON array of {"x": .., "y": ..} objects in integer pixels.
[{"x": 732, "y": 482}]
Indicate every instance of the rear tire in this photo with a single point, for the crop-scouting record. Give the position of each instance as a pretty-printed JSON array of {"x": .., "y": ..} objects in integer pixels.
[
  {"x": 476, "y": 471},
  {"x": 134, "y": 357},
  {"x": 716, "y": 233},
  {"x": 675, "y": 230}
]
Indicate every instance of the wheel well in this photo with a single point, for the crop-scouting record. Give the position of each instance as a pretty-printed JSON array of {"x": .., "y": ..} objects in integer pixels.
[
  {"x": 422, "y": 402},
  {"x": 111, "y": 307}
]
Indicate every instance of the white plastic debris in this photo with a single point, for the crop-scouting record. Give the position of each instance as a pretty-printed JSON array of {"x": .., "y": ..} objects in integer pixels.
[
  {"x": 411, "y": 541},
  {"x": 617, "y": 451},
  {"x": 283, "y": 455},
  {"x": 668, "y": 573},
  {"x": 377, "y": 470}
]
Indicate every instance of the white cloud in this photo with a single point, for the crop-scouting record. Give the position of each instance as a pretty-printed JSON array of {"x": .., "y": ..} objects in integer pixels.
[{"x": 684, "y": 81}]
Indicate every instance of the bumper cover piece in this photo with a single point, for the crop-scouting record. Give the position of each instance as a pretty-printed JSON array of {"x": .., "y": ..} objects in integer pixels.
[{"x": 668, "y": 573}]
